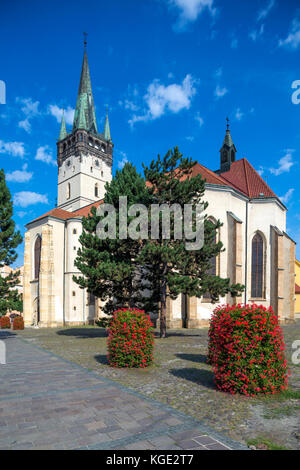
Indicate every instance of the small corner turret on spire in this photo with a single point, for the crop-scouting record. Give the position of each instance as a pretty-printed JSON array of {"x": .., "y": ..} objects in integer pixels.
[
  {"x": 63, "y": 130},
  {"x": 106, "y": 133}
]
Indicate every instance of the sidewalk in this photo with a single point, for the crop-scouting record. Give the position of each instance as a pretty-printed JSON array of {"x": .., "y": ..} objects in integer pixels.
[{"x": 47, "y": 402}]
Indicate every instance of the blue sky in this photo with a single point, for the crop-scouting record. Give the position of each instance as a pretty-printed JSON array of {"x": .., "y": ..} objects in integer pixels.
[{"x": 170, "y": 72}]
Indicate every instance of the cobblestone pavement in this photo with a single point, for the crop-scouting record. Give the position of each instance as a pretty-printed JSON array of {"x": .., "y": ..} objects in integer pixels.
[{"x": 47, "y": 402}]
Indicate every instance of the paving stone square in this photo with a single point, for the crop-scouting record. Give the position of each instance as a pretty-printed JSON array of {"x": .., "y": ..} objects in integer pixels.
[{"x": 47, "y": 402}]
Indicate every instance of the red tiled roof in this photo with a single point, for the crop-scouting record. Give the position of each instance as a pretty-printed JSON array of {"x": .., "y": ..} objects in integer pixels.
[
  {"x": 297, "y": 289},
  {"x": 243, "y": 176},
  {"x": 64, "y": 215},
  {"x": 59, "y": 213},
  {"x": 84, "y": 211}
]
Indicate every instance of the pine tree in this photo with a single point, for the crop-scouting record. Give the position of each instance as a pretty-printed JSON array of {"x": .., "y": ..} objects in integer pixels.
[
  {"x": 9, "y": 240},
  {"x": 109, "y": 268},
  {"x": 171, "y": 268}
]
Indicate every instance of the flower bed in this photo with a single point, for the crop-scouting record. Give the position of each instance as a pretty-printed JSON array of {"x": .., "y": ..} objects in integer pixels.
[
  {"x": 18, "y": 323},
  {"x": 4, "y": 322},
  {"x": 246, "y": 349},
  {"x": 130, "y": 339}
]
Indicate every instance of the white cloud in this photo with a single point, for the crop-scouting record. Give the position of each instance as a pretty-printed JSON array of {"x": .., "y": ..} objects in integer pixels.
[
  {"x": 21, "y": 214},
  {"x": 122, "y": 162},
  {"x": 30, "y": 109},
  {"x": 25, "y": 124},
  {"x": 19, "y": 176},
  {"x": 44, "y": 154},
  {"x": 239, "y": 114},
  {"x": 284, "y": 164},
  {"x": 263, "y": 13},
  {"x": 220, "y": 92},
  {"x": 293, "y": 39},
  {"x": 28, "y": 198},
  {"x": 286, "y": 198},
  {"x": 199, "y": 119},
  {"x": 189, "y": 10},
  {"x": 190, "y": 138},
  {"x": 218, "y": 73},
  {"x": 257, "y": 33},
  {"x": 260, "y": 170},
  {"x": 160, "y": 98},
  {"x": 57, "y": 112},
  {"x": 16, "y": 149}
]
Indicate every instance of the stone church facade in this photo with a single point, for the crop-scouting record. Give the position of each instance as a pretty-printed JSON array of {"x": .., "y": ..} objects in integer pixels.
[{"x": 258, "y": 252}]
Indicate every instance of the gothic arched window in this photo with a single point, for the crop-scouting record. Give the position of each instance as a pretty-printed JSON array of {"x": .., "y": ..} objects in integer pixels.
[
  {"x": 96, "y": 190},
  {"x": 257, "y": 268},
  {"x": 37, "y": 257},
  {"x": 68, "y": 191}
]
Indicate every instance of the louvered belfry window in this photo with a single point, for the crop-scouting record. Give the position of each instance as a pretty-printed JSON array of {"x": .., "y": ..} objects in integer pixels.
[
  {"x": 257, "y": 266},
  {"x": 37, "y": 257}
]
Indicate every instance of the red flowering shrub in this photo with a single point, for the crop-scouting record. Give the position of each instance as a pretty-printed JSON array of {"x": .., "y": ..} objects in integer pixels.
[
  {"x": 246, "y": 350},
  {"x": 130, "y": 339},
  {"x": 4, "y": 322},
  {"x": 18, "y": 323}
]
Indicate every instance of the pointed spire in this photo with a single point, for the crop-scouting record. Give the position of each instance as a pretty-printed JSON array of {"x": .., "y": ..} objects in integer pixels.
[
  {"x": 228, "y": 140},
  {"x": 85, "y": 98},
  {"x": 107, "y": 135},
  {"x": 63, "y": 130},
  {"x": 227, "y": 151}
]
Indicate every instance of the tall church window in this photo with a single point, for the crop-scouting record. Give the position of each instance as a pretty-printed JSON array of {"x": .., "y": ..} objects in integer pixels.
[
  {"x": 96, "y": 190},
  {"x": 68, "y": 191},
  {"x": 257, "y": 268},
  {"x": 37, "y": 257}
]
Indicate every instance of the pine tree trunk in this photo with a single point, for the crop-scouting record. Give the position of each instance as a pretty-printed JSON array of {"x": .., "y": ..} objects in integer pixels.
[{"x": 163, "y": 312}]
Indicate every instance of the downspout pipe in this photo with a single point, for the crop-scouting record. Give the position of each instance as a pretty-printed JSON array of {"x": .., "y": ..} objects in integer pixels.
[
  {"x": 64, "y": 276},
  {"x": 246, "y": 254}
]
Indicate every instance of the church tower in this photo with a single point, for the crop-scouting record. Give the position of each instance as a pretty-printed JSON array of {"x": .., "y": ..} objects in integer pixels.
[
  {"x": 227, "y": 151},
  {"x": 84, "y": 156}
]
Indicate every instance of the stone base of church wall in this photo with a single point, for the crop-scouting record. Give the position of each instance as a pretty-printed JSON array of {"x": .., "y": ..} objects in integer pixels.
[
  {"x": 197, "y": 323},
  {"x": 173, "y": 324}
]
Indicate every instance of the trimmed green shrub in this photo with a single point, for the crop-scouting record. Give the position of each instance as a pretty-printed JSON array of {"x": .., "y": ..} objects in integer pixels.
[
  {"x": 130, "y": 340},
  {"x": 246, "y": 349}
]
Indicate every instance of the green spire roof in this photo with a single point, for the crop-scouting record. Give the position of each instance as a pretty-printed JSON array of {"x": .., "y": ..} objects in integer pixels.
[
  {"x": 63, "y": 130},
  {"x": 107, "y": 135},
  {"x": 228, "y": 139},
  {"x": 85, "y": 102}
]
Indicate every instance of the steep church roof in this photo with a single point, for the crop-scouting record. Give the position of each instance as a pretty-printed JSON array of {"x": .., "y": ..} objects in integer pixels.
[{"x": 243, "y": 176}]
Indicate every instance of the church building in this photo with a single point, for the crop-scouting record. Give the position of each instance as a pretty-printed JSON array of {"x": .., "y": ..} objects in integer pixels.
[{"x": 258, "y": 252}]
